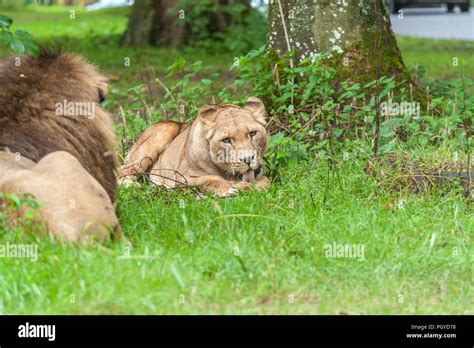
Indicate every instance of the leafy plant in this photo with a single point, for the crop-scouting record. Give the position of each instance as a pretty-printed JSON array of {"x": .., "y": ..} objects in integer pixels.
[
  {"x": 20, "y": 41},
  {"x": 245, "y": 27},
  {"x": 22, "y": 207},
  {"x": 310, "y": 115}
]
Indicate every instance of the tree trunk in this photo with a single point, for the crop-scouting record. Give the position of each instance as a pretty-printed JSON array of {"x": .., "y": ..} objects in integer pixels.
[
  {"x": 169, "y": 26},
  {"x": 356, "y": 35},
  {"x": 154, "y": 22},
  {"x": 168, "y": 23}
]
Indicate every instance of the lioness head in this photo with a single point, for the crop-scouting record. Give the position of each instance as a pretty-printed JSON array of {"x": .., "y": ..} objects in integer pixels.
[{"x": 236, "y": 136}]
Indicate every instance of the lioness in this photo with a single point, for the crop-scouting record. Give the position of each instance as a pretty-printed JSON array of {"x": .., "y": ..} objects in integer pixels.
[
  {"x": 220, "y": 152},
  {"x": 57, "y": 143}
]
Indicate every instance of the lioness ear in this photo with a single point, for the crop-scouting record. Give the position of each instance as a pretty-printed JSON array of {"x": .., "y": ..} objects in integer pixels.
[
  {"x": 256, "y": 107},
  {"x": 207, "y": 114}
]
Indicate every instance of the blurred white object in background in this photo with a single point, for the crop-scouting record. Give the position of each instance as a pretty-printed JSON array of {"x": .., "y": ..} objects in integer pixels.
[{"x": 109, "y": 4}]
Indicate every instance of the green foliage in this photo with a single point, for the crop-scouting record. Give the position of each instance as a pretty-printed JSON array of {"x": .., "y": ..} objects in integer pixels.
[
  {"x": 310, "y": 107},
  {"x": 417, "y": 246},
  {"x": 437, "y": 59},
  {"x": 11, "y": 4},
  {"x": 8, "y": 200},
  {"x": 318, "y": 117},
  {"x": 187, "y": 246},
  {"x": 245, "y": 28},
  {"x": 282, "y": 152},
  {"x": 19, "y": 40},
  {"x": 24, "y": 207}
]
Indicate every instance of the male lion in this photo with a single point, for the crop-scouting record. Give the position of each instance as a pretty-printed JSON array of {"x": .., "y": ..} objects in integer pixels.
[
  {"x": 220, "y": 152},
  {"x": 57, "y": 143}
]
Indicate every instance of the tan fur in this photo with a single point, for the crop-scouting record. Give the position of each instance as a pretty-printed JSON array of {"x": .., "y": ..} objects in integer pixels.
[
  {"x": 198, "y": 155},
  {"x": 66, "y": 161}
]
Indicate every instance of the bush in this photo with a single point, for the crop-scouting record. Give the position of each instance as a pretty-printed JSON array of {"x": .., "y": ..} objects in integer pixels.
[{"x": 246, "y": 28}]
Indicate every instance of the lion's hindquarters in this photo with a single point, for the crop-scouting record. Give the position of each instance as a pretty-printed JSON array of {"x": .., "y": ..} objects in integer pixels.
[{"x": 74, "y": 204}]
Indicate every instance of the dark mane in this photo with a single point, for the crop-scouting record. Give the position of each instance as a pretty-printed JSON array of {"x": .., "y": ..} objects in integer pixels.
[{"x": 30, "y": 124}]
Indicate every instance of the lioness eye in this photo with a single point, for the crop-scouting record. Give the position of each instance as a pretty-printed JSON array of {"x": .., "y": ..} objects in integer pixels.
[
  {"x": 226, "y": 140},
  {"x": 253, "y": 133}
]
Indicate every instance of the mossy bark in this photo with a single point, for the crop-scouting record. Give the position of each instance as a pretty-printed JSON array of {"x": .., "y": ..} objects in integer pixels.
[{"x": 355, "y": 35}]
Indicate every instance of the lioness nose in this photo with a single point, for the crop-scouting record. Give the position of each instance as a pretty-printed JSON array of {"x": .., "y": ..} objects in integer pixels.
[{"x": 248, "y": 159}]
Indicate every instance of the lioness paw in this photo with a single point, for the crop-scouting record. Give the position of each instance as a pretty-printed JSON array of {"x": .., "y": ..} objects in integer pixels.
[
  {"x": 244, "y": 186},
  {"x": 263, "y": 183},
  {"x": 226, "y": 192}
]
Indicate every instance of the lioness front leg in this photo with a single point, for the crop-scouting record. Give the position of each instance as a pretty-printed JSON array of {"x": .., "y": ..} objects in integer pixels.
[
  {"x": 222, "y": 188},
  {"x": 262, "y": 183},
  {"x": 215, "y": 184}
]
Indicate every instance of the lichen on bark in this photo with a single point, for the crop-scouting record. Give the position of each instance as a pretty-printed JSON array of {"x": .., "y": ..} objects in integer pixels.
[{"x": 354, "y": 35}]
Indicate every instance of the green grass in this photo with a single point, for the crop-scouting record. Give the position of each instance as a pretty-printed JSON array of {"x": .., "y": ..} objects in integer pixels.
[
  {"x": 103, "y": 30},
  {"x": 97, "y": 36},
  {"x": 183, "y": 259},
  {"x": 48, "y": 22},
  {"x": 436, "y": 56},
  {"x": 186, "y": 247}
]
